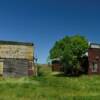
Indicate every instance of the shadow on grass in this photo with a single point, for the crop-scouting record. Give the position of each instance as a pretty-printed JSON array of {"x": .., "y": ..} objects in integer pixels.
[
  {"x": 66, "y": 75},
  {"x": 60, "y": 75}
]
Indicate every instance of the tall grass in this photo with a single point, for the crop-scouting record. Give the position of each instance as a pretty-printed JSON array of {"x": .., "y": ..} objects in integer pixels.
[{"x": 49, "y": 86}]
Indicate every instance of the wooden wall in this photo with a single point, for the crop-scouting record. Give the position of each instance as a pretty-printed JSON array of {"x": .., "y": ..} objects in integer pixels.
[
  {"x": 16, "y": 51},
  {"x": 16, "y": 60},
  {"x": 15, "y": 67},
  {"x": 94, "y": 57}
]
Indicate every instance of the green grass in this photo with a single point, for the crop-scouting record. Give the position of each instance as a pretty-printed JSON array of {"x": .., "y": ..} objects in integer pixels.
[{"x": 48, "y": 86}]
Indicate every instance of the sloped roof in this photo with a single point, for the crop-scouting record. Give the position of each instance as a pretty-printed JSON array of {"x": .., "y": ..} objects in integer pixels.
[
  {"x": 15, "y": 43},
  {"x": 95, "y": 45}
]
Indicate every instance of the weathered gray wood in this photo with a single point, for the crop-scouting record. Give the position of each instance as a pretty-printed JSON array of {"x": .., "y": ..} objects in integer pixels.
[{"x": 16, "y": 67}]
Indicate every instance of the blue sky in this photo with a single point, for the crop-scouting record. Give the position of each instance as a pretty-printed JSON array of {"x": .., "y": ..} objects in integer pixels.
[{"x": 45, "y": 21}]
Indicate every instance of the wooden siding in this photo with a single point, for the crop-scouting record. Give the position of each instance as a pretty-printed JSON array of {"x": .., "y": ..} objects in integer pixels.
[
  {"x": 16, "y": 67},
  {"x": 16, "y": 58},
  {"x": 94, "y": 57},
  {"x": 16, "y": 51},
  {"x": 56, "y": 65}
]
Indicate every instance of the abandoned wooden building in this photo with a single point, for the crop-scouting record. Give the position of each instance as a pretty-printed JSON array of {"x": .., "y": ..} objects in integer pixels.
[
  {"x": 89, "y": 64},
  {"x": 94, "y": 59},
  {"x": 16, "y": 59},
  {"x": 56, "y": 64}
]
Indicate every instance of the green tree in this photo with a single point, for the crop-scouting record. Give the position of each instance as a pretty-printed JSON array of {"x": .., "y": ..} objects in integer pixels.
[{"x": 70, "y": 50}]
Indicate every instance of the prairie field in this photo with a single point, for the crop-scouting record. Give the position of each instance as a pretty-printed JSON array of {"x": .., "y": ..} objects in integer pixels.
[{"x": 50, "y": 86}]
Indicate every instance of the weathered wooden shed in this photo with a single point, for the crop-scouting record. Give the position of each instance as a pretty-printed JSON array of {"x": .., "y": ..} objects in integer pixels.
[
  {"x": 16, "y": 59},
  {"x": 94, "y": 59},
  {"x": 56, "y": 65}
]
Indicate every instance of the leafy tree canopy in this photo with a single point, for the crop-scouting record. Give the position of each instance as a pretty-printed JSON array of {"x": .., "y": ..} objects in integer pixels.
[{"x": 69, "y": 49}]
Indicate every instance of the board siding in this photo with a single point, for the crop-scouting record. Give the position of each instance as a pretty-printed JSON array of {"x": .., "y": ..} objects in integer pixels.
[
  {"x": 16, "y": 51},
  {"x": 15, "y": 67},
  {"x": 16, "y": 58},
  {"x": 94, "y": 56}
]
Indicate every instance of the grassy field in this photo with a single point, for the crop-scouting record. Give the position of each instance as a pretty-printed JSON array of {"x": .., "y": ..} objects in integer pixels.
[{"x": 49, "y": 86}]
